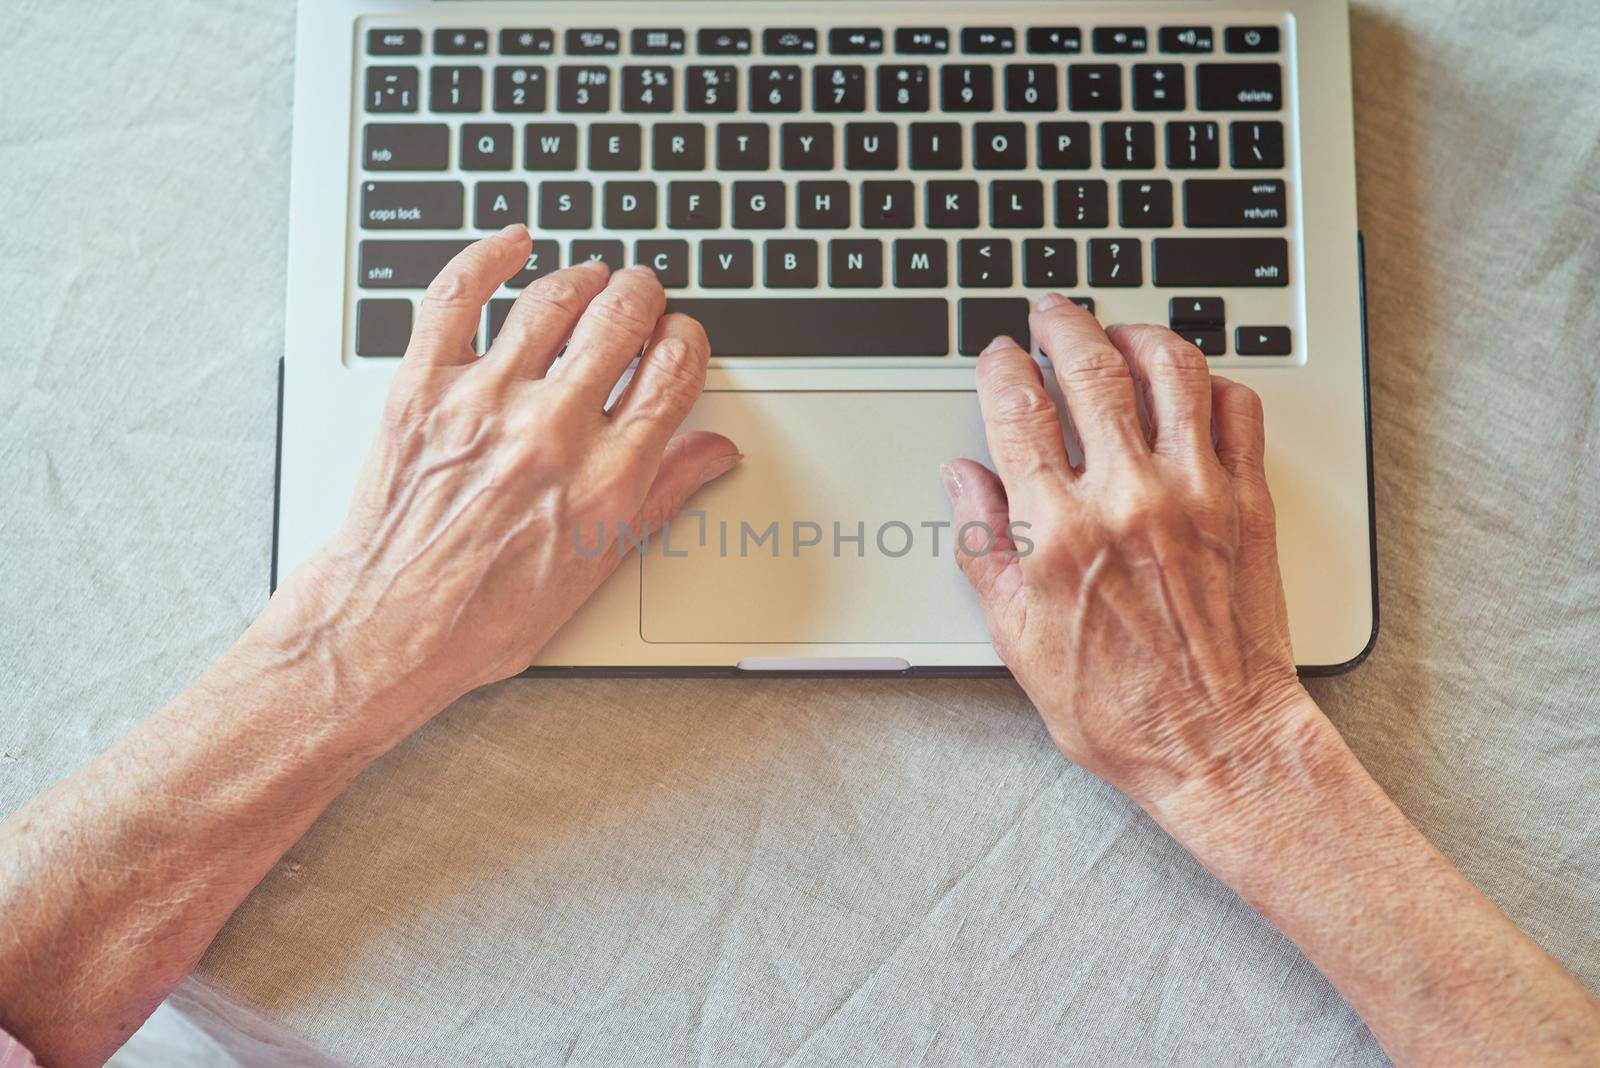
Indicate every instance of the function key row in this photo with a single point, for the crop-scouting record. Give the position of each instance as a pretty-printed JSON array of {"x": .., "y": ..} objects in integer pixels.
[
  {"x": 781, "y": 88},
  {"x": 841, "y": 41},
  {"x": 813, "y": 146}
]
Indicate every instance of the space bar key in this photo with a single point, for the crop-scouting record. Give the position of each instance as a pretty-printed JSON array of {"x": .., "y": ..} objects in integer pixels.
[{"x": 822, "y": 326}]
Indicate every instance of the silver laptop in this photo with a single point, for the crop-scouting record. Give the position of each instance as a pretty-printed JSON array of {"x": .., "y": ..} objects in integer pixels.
[{"x": 853, "y": 197}]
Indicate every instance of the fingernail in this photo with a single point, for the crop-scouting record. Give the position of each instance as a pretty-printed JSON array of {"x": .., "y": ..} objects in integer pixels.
[
  {"x": 952, "y": 482},
  {"x": 514, "y": 230},
  {"x": 1001, "y": 342},
  {"x": 1051, "y": 300},
  {"x": 718, "y": 468}
]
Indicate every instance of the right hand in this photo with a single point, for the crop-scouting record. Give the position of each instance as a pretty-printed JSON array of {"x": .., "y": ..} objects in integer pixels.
[{"x": 1148, "y": 623}]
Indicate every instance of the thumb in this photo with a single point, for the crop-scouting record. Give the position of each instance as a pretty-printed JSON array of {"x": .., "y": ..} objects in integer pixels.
[
  {"x": 689, "y": 462},
  {"x": 985, "y": 551}
]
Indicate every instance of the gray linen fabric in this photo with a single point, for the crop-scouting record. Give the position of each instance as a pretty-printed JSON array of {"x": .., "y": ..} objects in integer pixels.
[{"x": 769, "y": 872}]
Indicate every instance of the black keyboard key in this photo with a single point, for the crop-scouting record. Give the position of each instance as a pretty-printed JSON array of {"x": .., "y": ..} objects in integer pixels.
[
  {"x": 1082, "y": 205},
  {"x": 726, "y": 265},
  {"x": 789, "y": 42},
  {"x": 790, "y": 264},
  {"x": 1032, "y": 87},
  {"x": 1255, "y": 145},
  {"x": 760, "y": 205},
  {"x": 1049, "y": 262},
  {"x": 1186, "y": 40},
  {"x": 1064, "y": 146},
  {"x": 486, "y": 146},
  {"x": 952, "y": 205},
  {"x": 1158, "y": 87},
  {"x": 988, "y": 40},
  {"x": 1220, "y": 262},
  {"x": 391, "y": 90},
  {"x": 406, "y": 146},
  {"x": 903, "y": 88},
  {"x": 888, "y": 205},
  {"x": 722, "y": 42},
  {"x": 982, "y": 319},
  {"x": 499, "y": 204},
  {"x": 658, "y": 42},
  {"x": 550, "y": 146},
  {"x": 566, "y": 205},
  {"x": 447, "y": 42},
  {"x": 1263, "y": 341},
  {"x": 1120, "y": 40},
  {"x": 1235, "y": 202},
  {"x": 543, "y": 258},
  {"x": 927, "y": 41},
  {"x": 1145, "y": 203},
  {"x": 678, "y": 146},
  {"x": 921, "y": 263},
  {"x": 822, "y": 326},
  {"x": 855, "y": 263},
  {"x": 520, "y": 89},
  {"x": 615, "y": 146},
  {"x": 585, "y": 90},
  {"x": 1239, "y": 86},
  {"x": 412, "y": 205},
  {"x": 527, "y": 42},
  {"x": 775, "y": 89},
  {"x": 999, "y": 146},
  {"x": 983, "y": 262},
  {"x": 455, "y": 89},
  {"x": 711, "y": 89},
  {"x": 839, "y": 88},
  {"x": 871, "y": 146},
  {"x": 383, "y": 327},
  {"x": 805, "y": 146},
  {"x": 1196, "y": 312},
  {"x": 1116, "y": 261},
  {"x": 1055, "y": 40},
  {"x": 1250, "y": 39},
  {"x": 1193, "y": 146},
  {"x": 607, "y": 251},
  {"x": 744, "y": 146},
  {"x": 593, "y": 42},
  {"x": 1209, "y": 342},
  {"x": 1016, "y": 205},
  {"x": 1094, "y": 87},
  {"x": 668, "y": 258},
  {"x": 1128, "y": 145},
  {"x": 845, "y": 41},
  {"x": 694, "y": 205},
  {"x": 822, "y": 205},
  {"x": 629, "y": 206},
  {"x": 403, "y": 264},
  {"x": 394, "y": 42},
  {"x": 966, "y": 87},
  {"x": 936, "y": 146},
  {"x": 647, "y": 90}
]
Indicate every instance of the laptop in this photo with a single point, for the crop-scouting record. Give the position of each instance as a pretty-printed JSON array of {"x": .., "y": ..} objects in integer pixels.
[{"x": 853, "y": 197}]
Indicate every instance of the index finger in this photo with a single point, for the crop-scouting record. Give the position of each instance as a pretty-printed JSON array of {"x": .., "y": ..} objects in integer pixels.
[
  {"x": 453, "y": 305},
  {"x": 1094, "y": 380}
]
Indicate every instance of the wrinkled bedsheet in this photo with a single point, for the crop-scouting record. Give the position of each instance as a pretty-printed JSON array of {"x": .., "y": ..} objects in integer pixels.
[{"x": 789, "y": 872}]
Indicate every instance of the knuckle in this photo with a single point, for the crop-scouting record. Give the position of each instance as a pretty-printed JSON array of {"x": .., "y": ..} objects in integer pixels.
[
  {"x": 1090, "y": 365},
  {"x": 559, "y": 294},
  {"x": 1021, "y": 403},
  {"x": 1173, "y": 357},
  {"x": 622, "y": 308},
  {"x": 678, "y": 363}
]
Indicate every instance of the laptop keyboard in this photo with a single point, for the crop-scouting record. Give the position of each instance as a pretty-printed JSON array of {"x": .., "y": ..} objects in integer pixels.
[{"x": 842, "y": 193}]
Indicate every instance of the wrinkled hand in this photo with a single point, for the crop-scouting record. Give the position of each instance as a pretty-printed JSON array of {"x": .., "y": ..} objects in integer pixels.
[
  {"x": 1148, "y": 622},
  {"x": 459, "y": 557}
]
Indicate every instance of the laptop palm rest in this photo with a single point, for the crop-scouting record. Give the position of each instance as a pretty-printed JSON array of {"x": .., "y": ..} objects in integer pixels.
[{"x": 834, "y": 529}]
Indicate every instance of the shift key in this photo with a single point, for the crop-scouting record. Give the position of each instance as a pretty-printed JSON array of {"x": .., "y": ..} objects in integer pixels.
[
  {"x": 412, "y": 205},
  {"x": 1207, "y": 262},
  {"x": 404, "y": 264}
]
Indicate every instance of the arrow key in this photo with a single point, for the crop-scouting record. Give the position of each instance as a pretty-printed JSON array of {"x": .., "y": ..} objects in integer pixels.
[
  {"x": 1263, "y": 341},
  {"x": 1209, "y": 342},
  {"x": 1196, "y": 313}
]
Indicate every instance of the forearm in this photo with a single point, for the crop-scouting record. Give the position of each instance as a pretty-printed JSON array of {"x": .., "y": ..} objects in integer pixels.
[
  {"x": 1441, "y": 976},
  {"x": 117, "y": 879}
]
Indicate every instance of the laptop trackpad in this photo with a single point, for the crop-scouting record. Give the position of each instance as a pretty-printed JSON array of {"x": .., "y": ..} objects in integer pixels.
[{"x": 834, "y": 529}]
